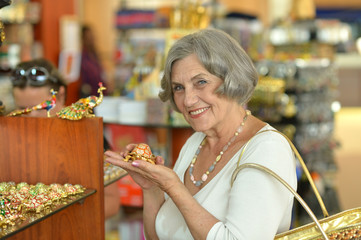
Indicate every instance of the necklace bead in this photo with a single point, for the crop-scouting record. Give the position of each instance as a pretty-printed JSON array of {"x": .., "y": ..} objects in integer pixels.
[{"x": 218, "y": 158}]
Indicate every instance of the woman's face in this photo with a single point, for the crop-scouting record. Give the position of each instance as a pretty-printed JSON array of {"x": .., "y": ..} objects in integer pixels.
[{"x": 194, "y": 94}]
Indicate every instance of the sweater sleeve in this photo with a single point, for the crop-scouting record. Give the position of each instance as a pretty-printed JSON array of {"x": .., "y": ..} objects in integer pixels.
[{"x": 258, "y": 203}]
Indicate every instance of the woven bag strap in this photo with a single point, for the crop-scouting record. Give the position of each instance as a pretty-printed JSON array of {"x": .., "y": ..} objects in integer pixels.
[
  {"x": 297, "y": 196},
  {"x": 298, "y": 156}
]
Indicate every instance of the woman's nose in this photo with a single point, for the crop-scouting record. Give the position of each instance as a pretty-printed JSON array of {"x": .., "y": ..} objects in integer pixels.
[{"x": 190, "y": 97}]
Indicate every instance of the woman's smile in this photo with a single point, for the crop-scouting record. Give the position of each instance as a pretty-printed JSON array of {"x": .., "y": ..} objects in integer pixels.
[{"x": 198, "y": 112}]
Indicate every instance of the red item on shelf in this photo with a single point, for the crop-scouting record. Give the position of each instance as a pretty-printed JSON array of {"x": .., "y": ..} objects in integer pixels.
[{"x": 130, "y": 193}]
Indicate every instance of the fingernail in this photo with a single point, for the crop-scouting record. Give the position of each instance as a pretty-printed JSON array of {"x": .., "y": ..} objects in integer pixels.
[{"x": 135, "y": 164}]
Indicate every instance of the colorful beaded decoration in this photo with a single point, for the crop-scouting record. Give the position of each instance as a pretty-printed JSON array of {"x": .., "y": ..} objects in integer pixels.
[
  {"x": 218, "y": 158},
  {"x": 84, "y": 107},
  {"x": 47, "y": 105}
]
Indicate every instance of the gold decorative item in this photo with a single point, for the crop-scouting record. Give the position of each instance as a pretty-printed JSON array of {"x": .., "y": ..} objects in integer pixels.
[
  {"x": 303, "y": 9},
  {"x": 3, "y": 3},
  {"x": 269, "y": 90},
  {"x": 2, "y": 33},
  {"x": 19, "y": 201},
  {"x": 266, "y": 101},
  {"x": 112, "y": 173},
  {"x": 47, "y": 105},
  {"x": 84, "y": 107},
  {"x": 141, "y": 151},
  {"x": 190, "y": 15}
]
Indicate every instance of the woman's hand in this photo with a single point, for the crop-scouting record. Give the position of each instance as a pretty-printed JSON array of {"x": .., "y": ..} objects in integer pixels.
[
  {"x": 117, "y": 159},
  {"x": 145, "y": 174}
]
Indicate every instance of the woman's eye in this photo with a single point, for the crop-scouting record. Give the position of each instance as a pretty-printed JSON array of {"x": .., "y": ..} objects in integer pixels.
[
  {"x": 177, "y": 88},
  {"x": 201, "y": 82}
]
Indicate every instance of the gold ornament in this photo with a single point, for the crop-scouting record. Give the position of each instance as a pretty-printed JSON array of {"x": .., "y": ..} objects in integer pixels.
[
  {"x": 83, "y": 107},
  {"x": 141, "y": 152}
]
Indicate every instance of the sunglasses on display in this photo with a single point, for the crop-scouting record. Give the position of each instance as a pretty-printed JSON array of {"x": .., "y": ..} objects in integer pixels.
[{"x": 36, "y": 76}]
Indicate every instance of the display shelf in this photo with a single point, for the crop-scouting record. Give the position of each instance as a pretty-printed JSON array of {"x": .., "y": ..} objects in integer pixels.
[
  {"x": 52, "y": 150},
  {"x": 34, "y": 218},
  {"x": 305, "y": 102},
  {"x": 114, "y": 176}
]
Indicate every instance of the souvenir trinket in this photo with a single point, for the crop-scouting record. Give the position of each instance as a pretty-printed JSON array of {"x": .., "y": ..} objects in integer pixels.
[
  {"x": 141, "y": 152},
  {"x": 47, "y": 105},
  {"x": 112, "y": 172},
  {"x": 22, "y": 200},
  {"x": 83, "y": 107}
]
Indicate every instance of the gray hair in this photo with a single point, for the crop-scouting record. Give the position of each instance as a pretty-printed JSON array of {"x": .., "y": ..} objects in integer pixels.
[{"x": 222, "y": 56}]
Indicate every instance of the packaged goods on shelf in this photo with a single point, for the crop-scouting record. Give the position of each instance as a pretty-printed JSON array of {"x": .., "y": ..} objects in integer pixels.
[
  {"x": 130, "y": 193},
  {"x": 306, "y": 103},
  {"x": 135, "y": 18},
  {"x": 132, "y": 111},
  {"x": 108, "y": 109},
  {"x": 21, "y": 11}
]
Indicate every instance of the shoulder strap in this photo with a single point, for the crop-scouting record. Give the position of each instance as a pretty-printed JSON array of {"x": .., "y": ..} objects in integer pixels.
[
  {"x": 297, "y": 196},
  {"x": 298, "y": 156}
]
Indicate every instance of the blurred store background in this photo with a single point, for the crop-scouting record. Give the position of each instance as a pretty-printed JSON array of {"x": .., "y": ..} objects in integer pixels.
[{"x": 307, "y": 53}]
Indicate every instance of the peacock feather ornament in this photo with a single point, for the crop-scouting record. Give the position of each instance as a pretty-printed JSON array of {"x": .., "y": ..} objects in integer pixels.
[{"x": 84, "y": 107}]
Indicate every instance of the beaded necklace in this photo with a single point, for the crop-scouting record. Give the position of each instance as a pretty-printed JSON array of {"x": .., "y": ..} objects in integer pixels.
[{"x": 218, "y": 158}]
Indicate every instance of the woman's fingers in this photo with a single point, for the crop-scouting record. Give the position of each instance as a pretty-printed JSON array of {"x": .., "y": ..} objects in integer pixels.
[
  {"x": 159, "y": 160},
  {"x": 130, "y": 147},
  {"x": 143, "y": 168},
  {"x": 115, "y": 158},
  {"x": 111, "y": 154}
]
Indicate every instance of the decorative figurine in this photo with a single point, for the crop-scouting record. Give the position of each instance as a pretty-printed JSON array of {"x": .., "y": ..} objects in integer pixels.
[
  {"x": 3, "y": 3},
  {"x": 22, "y": 201},
  {"x": 141, "y": 151},
  {"x": 83, "y": 107},
  {"x": 47, "y": 105}
]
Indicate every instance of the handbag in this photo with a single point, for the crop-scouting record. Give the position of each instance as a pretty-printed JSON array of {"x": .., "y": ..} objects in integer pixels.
[{"x": 343, "y": 225}]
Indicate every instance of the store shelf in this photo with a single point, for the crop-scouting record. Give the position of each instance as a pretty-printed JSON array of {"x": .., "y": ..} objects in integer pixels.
[
  {"x": 115, "y": 174},
  {"x": 310, "y": 89},
  {"x": 338, "y": 4},
  {"x": 348, "y": 60},
  {"x": 52, "y": 150},
  {"x": 34, "y": 218}
]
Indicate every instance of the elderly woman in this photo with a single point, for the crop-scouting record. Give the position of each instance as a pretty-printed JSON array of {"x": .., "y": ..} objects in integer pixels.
[{"x": 209, "y": 79}]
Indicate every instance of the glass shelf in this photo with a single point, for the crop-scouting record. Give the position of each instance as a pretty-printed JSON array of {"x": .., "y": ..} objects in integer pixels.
[
  {"x": 114, "y": 176},
  {"x": 33, "y": 218}
]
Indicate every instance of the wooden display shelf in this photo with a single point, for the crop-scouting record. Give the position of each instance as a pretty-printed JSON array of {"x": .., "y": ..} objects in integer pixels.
[{"x": 52, "y": 150}]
